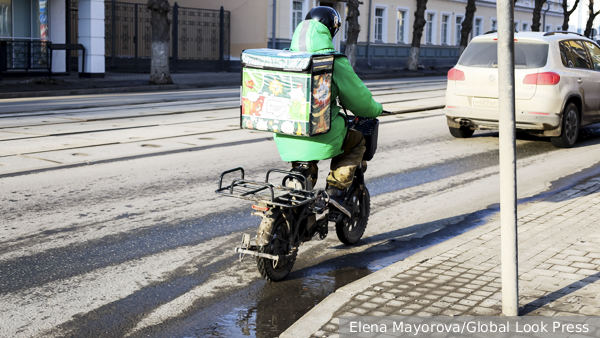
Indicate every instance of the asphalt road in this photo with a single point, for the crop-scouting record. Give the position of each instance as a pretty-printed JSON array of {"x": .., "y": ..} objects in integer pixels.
[{"x": 136, "y": 243}]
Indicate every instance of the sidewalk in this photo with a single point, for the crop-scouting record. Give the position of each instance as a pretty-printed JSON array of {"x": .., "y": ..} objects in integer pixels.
[
  {"x": 11, "y": 87},
  {"x": 559, "y": 269}
]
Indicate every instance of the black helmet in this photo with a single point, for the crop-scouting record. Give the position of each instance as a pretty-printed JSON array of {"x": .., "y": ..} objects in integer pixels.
[{"x": 327, "y": 16}]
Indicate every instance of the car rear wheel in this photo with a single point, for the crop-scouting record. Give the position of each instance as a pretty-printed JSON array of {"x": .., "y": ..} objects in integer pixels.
[
  {"x": 570, "y": 128},
  {"x": 462, "y": 132}
]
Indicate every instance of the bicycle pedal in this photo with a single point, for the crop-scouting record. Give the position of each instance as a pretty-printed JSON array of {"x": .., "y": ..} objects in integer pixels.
[{"x": 334, "y": 216}]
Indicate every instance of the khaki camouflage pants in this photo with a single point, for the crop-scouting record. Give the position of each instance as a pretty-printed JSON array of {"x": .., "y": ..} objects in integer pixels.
[{"x": 342, "y": 166}]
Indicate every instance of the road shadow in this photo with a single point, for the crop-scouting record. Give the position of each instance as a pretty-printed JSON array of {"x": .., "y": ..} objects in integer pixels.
[
  {"x": 558, "y": 294},
  {"x": 396, "y": 245},
  {"x": 588, "y": 135}
]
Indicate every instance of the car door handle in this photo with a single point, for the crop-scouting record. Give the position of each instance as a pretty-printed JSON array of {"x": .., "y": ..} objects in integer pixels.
[{"x": 579, "y": 81}]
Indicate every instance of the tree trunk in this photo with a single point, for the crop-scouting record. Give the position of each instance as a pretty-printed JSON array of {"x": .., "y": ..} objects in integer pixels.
[
  {"x": 413, "y": 58},
  {"x": 159, "y": 20},
  {"x": 591, "y": 18},
  {"x": 537, "y": 15},
  {"x": 567, "y": 14},
  {"x": 353, "y": 30},
  {"x": 467, "y": 25}
]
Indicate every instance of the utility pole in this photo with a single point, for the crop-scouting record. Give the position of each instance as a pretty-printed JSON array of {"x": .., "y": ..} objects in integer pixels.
[
  {"x": 508, "y": 158},
  {"x": 274, "y": 39}
]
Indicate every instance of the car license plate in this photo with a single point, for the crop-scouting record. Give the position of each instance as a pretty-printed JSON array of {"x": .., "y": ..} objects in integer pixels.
[{"x": 485, "y": 102}]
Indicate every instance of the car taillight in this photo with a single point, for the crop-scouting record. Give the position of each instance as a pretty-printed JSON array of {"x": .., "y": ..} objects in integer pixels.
[
  {"x": 547, "y": 78},
  {"x": 456, "y": 75}
]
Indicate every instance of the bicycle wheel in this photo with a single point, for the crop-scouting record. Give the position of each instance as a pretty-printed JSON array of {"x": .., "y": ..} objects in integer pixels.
[
  {"x": 350, "y": 229},
  {"x": 278, "y": 245}
]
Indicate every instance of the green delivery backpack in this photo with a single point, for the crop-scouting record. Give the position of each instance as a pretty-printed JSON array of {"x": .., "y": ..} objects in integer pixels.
[{"x": 286, "y": 92}]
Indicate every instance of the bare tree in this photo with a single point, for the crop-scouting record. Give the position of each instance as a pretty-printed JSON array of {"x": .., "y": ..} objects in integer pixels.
[
  {"x": 467, "y": 25},
  {"x": 567, "y": 14},
  {"x": 592, "y": 16},
  {"x": 413, "y": 58},
  {"x": 537, "y": 15},
  {"x": 159, "y": 20},
  {"x": 353, "y": 29}
]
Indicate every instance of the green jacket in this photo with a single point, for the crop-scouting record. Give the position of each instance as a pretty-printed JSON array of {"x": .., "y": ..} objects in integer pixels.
[{"x": 353, "y": 94}]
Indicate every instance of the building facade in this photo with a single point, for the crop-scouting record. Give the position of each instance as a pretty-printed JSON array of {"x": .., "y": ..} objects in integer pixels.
[
  {"x": 387, "y": 27},
  {"x": 26, "y": 27}
]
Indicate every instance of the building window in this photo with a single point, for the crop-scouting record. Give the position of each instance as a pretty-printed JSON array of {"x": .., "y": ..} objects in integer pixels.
[
  {"x": 494, "y": 25},
  {"x": 445, "y": 23},
  {"x": 296, "y": 13},
  {"x": 379, "y": 16},
  {"x": 401, "y": 25},
  {"x": 516, "y": 26},
  {"x": 525, "y": 27},
  {"x": 24, "y": 19},
  {"x": 458, "y": 24},
  {"x": 548, "y": 28},
  {"x": 429, "y": 28},
  {"x": 559, "y": 28},
  {"x": 478, "y": 24},
  {"x": 5, "y": 18}
]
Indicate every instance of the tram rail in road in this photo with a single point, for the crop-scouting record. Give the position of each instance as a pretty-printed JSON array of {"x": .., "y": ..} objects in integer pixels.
[{"x": 69, "y": 137}]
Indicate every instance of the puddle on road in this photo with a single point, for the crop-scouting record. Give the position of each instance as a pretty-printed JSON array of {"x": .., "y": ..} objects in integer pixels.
[
  {"x": 281, "y": 304},
  {"x": 267, "y": 309}
]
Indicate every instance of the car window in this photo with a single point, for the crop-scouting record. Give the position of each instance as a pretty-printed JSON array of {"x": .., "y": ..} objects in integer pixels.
[
  {"x": 574, "y": 55},
  {"x": 485, "y": 54},
  {"x": 594, "y": 53}
]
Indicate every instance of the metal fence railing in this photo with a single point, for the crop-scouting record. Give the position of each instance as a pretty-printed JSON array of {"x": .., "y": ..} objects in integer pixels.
[
  {"x": 24, "y": 55},
  {"x": 199, "y": 37}
]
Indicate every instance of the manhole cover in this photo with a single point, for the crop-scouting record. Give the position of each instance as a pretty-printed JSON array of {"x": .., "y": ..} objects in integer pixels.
[
  {"x": 207, "y": 138},
  {"x": 80, "y": 154},
  {"x": 150, "y": 146},
  {"x": 134, "y": 138},
  {"x": 2, "y": 165},
  {"x": 234, "y": 125}
]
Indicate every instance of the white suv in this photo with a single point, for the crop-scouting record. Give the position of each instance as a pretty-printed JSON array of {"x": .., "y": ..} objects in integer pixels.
[{"x": 557, "y": 86}]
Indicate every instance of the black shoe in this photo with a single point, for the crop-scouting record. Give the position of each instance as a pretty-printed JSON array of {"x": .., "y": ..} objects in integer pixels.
[
  {"x": 336, "y": 194},
  {"x": 336, "y": 199}
]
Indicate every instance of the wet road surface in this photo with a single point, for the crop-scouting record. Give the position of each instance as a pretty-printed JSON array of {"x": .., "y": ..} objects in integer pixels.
[{"x": 143, "y": 247}]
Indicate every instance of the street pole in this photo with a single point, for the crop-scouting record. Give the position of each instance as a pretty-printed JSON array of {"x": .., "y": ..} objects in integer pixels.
[
  {"x": 547, "y": 9},
  {"x": 221, "y": 39},
  {"x": 369, "y": 34},
  {"x": 508, "y": 160},
  {"x": 273, "y": 40}
]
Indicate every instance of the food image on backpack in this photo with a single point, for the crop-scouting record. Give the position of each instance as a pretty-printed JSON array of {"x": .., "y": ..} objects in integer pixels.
[{"x": 286, "y": 92}]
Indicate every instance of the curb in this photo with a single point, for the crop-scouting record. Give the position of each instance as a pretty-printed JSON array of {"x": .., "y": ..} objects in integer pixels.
[
  {"x": 110, "y": 90},
  {"x": 414, "y": 110},
  {"x": 323, "y": 312},
  {"x": 380, "y": 76},
  {"x": 147, "y": 88}
]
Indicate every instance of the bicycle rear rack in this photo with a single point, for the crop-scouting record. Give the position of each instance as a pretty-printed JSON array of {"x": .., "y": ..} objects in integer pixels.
[{"x": 266, "y": 192}]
